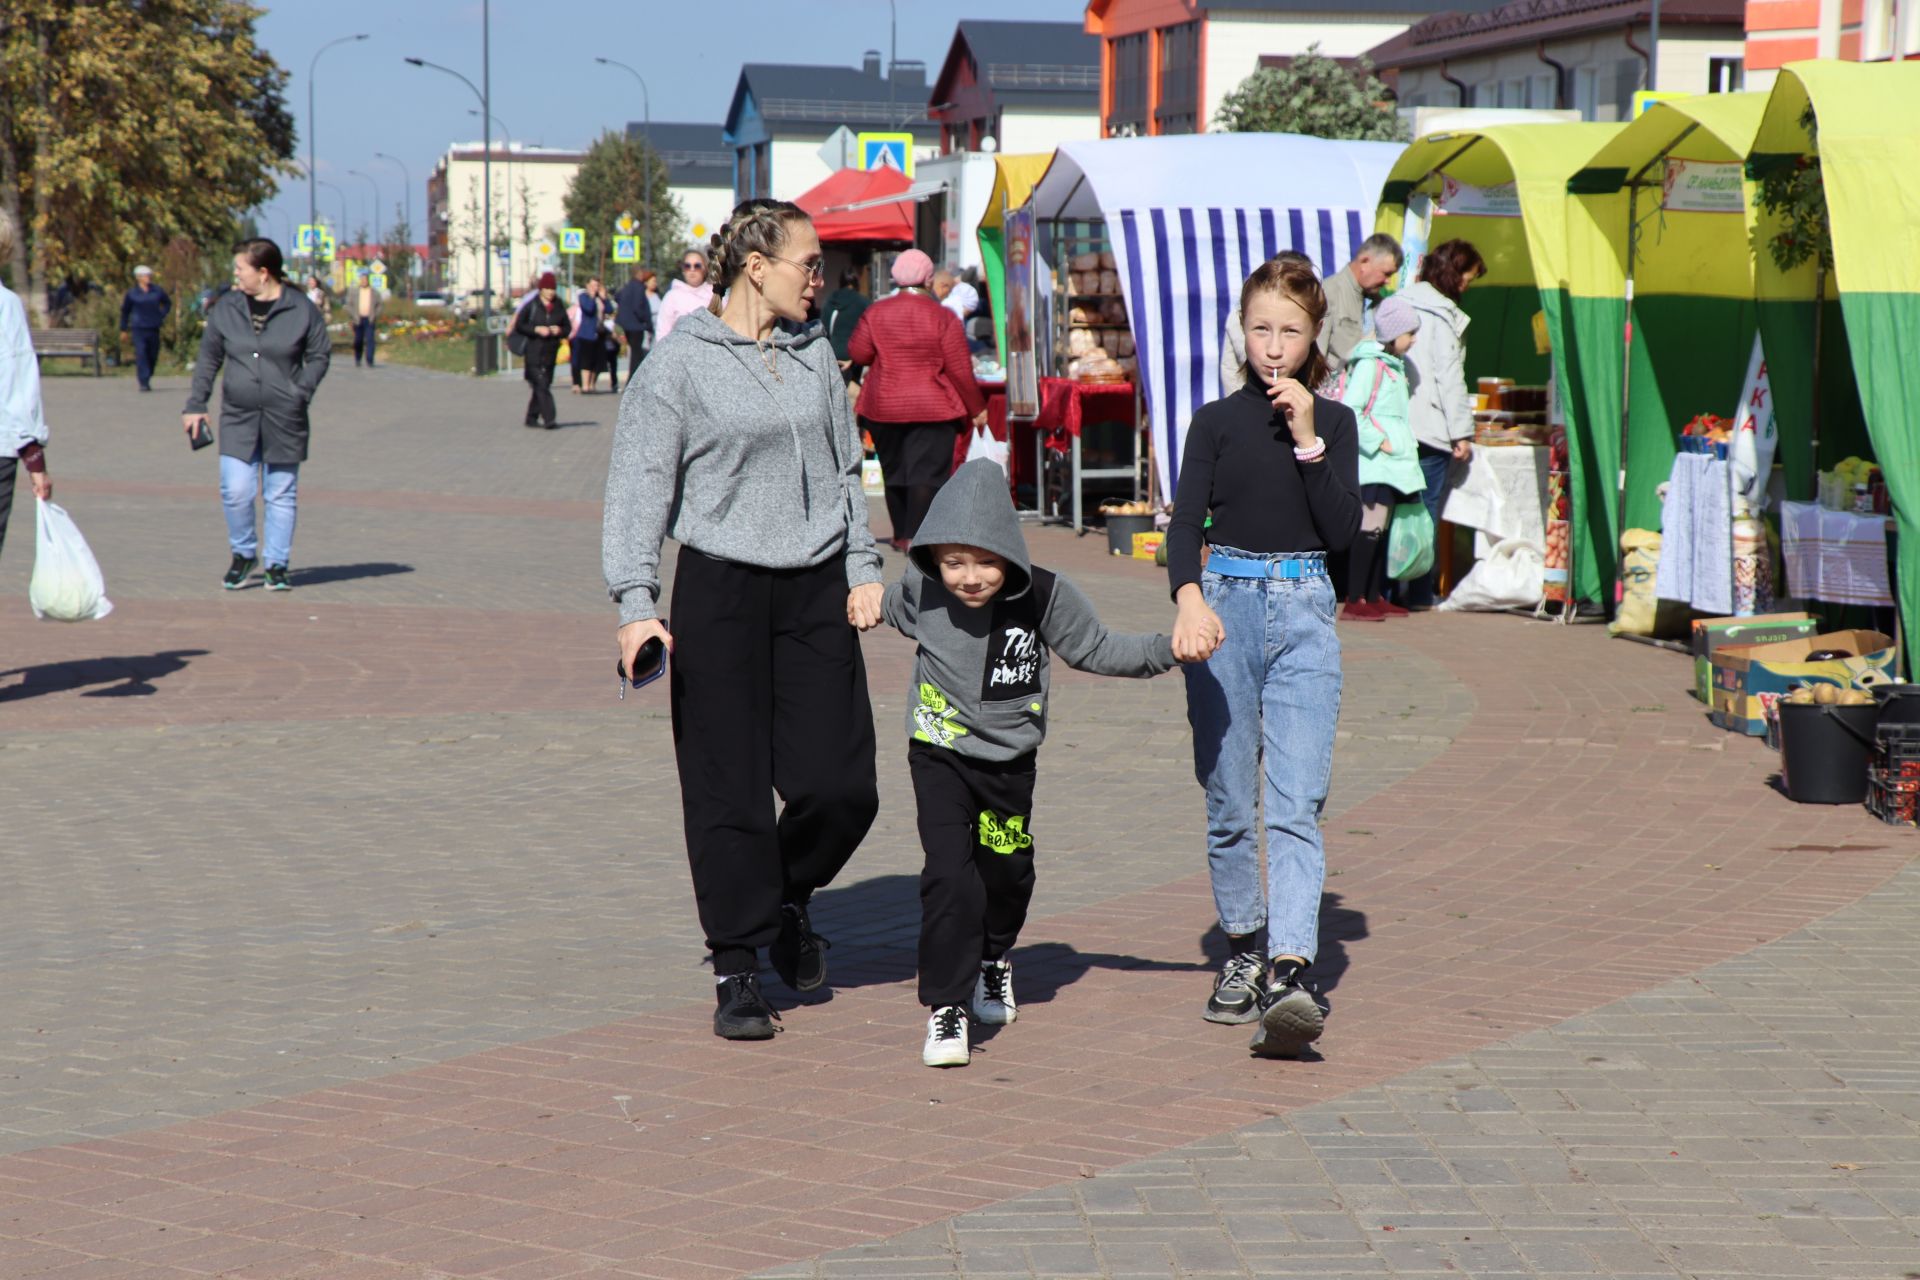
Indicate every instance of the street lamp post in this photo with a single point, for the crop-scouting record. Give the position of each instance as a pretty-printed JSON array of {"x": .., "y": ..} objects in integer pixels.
[
  {"x": 333, "y": 187},
  {"x": 646, "y": 178},
  {"x": 313, "y": 200},
  {"x": 506, "y": 273},
  {"x": 486, "y": 181},
  {"x": 369, "y": 178},
  {"x": 407, "y": 177}
]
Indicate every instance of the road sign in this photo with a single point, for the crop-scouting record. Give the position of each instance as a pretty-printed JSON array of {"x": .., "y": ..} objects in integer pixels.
[
  {"x": 1644, "y": 98},
  {"x": 841, "y": 150},
  {"x": 887, "y": 151},
  {"x": 573, "y": 239},
  {"x": 700, "y": 232},
  {"x": 378, "y": 279},
  {"x": 326, "y": 245},
  {"x": 498, "y": 324},
  {"x": 626, "y": 248},
  {"x": 544, "y": 249},
  {"x": 308, "y": 238},
  {"x": 624, "y": 224},
  {"x": 378, "y": 267}
]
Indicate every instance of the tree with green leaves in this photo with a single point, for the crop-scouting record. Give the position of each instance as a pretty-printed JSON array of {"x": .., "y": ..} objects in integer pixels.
[
  {"x": 397, "y": 253},
  {"x": 1317, "y": 96},
  {"x": 125, "y": 126},
  {"x": 611, "y": 181}
]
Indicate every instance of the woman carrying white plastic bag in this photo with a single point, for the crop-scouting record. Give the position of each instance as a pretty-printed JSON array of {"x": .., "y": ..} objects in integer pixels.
[
  {"x": 23, "y": 427},
  {"x": 67, "y": 585}
]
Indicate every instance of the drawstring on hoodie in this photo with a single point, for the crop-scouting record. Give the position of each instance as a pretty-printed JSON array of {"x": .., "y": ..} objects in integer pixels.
[{"x": 793, "y": 431}]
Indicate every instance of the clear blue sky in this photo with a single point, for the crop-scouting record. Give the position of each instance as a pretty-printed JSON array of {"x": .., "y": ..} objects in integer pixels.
[{"x": 546, "y": 87}]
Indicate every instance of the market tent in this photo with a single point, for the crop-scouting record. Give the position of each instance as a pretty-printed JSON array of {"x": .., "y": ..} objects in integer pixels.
[
  {"x": 1504, "y": 189},
  {"x": 1665, "y": 203},
  {"x": 887, "y": 218},
  {"x": 1189, "y": 218},
  {"x": 1869, "y": 156},
  {"x": 1013, "y": 179}
]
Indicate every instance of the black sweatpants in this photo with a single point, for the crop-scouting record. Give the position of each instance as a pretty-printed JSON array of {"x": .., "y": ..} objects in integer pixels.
[
  {"x": 540, "y": 408},
  {"x": 769, "y": 695},
  {"x": 976, "y": 830}
]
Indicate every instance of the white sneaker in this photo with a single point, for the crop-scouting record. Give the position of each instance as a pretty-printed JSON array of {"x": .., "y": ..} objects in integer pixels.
[
  {"x": 947, "y": 1044},
  {"x": 993, "y": 1004}
]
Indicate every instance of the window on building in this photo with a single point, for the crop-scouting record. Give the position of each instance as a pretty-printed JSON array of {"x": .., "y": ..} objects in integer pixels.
[
  {"x": 1586, "y": 99},
  {"x": 1178, "y": 110},
  {"x": 1627, "y": 73},
  {"x": 1726, "y": 75},
  {"x": 1878, "y": 21},
  {"x": 1131, "y": 59},
  {"x": 1543, "y": 96},
  {"x": 763, "y": 169}
]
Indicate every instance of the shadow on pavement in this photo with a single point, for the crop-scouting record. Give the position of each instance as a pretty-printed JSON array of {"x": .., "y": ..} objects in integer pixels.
[
  {"x": 130, "y": 677},
  {"x": 324, "y": 573}
]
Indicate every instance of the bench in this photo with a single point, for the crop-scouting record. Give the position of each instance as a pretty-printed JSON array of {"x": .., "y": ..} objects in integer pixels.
[{"x": 81, "y": 344}]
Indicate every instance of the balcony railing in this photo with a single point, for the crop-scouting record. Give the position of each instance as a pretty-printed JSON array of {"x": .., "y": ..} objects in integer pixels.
[{"x": 1040, "y": 75}]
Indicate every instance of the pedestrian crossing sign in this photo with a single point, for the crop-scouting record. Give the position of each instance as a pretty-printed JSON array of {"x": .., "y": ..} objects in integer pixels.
[
  {"x": 626, "y": 248},
  {"x": 326, "y": 245},
  {"x": 887, "y": 151},
  {"x": 308, "y": 239},
  {"x": 378, "y": 279},
  {"x": 573, "y": 239}
]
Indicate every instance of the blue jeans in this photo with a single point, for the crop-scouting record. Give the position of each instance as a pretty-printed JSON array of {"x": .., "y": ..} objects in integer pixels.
[
  {"x": 239, "y": 480},
  {"x": 1435, "y": 465},
  {"x": 1270, "y": 695}
]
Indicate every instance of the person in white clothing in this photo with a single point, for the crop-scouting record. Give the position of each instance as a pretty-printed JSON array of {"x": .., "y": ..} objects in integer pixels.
[{"x": 23, "y": 423}]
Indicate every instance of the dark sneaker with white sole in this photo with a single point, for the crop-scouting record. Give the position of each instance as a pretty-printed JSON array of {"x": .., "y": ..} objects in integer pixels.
[
  {"x": 799, "y": 954},
  {"x": 239, "y": 571},
  {"x": 1237, "y": 991},
  {"x": 743, "y": 1013},
  {"x": 1292, "y": 1014},
  {"x": 276, "y": 576}
]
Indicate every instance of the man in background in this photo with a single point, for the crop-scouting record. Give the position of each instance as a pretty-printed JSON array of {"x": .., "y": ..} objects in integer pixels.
[
  {"x": 142, "y": 311},
  {"x": 635, "y": 316},
  {"x": 365, "y": 309}
]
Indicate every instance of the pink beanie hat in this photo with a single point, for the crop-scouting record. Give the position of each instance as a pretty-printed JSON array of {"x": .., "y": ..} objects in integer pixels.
[{"x": 912, "y": 269}]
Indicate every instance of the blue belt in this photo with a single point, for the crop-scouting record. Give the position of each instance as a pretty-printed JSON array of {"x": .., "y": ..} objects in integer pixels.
[{"x": 1285, "y": 568}]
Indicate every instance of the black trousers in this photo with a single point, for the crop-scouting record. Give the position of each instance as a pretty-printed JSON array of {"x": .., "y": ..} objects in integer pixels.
[
  {"x": 363, "y": 339},
  {"x": 636, "y": 352},
  {"x": 540, "y": 400},
  {"x": 769, "y": 695},
  {"x": 9, "y": 467},
  {"x": 1367, "y": 572},
  {"x": 915, "y": 460},
  {"x": 146, "y": 353},
  {"x": 976, "y": 821}
]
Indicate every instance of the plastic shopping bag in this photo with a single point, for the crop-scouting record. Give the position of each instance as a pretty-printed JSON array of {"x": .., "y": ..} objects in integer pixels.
[
  {"x": 66, "y": 584},
  {"x": 1410, "y": 541},
  {"x": 1511, "y": 577},
  {"x": 985, "y": 446}
]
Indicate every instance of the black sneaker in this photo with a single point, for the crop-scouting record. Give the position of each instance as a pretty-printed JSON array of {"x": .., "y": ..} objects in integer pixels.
[
  {"x": 1292, "y": 1014},
  {"x": 1237, "y": 991},
  {"x": 799, "y": 954},
  {"x": 277, "y": 578},
  {"x": 744, "y": 1013},
  {"x": 239, "y": 571}
]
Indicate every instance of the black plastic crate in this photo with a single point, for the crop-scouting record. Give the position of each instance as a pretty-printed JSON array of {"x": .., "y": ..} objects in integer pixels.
[
  {"x": 1897, "y": 749},
  {"x": 1894, "y": 800}
]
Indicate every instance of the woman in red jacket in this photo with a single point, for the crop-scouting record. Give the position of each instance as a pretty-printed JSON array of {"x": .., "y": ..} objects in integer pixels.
[{"x": 918, "y": 391}]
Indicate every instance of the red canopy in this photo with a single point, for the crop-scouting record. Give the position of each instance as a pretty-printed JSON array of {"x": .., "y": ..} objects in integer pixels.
[{"x": 893, "y": 222}]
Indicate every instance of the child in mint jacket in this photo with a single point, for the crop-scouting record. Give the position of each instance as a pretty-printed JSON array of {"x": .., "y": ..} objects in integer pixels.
[{"x": 1378, "y": 393}]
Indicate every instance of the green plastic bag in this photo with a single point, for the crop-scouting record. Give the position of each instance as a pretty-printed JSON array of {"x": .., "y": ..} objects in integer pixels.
[{"x": 1409, "y": 542}]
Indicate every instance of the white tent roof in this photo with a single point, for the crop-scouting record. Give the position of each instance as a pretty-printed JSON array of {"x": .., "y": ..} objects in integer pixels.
[{"x": 1088, "y": 179}]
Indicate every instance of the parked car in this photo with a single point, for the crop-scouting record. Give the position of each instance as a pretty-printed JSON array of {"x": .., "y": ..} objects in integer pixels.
[{"x": 430, "y": 298}]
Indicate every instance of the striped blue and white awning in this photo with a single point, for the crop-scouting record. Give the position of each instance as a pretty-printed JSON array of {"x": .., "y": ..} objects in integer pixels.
[{"x": 1181, "y": 261}]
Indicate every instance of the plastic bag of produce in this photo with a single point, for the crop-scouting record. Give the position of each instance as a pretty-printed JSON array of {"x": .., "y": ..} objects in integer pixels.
[
  {"x": 66, "y": 584},
  {"x": 1641, "y": 612},
  {"x": 1410, "y": 541}
]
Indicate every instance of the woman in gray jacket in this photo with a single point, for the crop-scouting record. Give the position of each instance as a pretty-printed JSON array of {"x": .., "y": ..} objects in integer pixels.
[
  {"x": 736, "y": 440},
  {"x": 274, "y": 344},
  {"x": 1439, "y": 411}
]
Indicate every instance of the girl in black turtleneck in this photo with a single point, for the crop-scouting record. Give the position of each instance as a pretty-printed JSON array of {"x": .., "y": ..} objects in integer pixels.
[{"x": 1277, "y": 468}]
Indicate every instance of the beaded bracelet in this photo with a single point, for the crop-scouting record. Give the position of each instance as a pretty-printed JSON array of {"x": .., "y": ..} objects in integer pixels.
[{"x": 1312, "y": 452}]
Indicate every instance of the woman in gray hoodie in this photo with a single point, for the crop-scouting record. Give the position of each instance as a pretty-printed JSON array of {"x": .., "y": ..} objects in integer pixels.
[
  {"x": 1438, "y": 411},
  {"x": 736, "y": 440}
]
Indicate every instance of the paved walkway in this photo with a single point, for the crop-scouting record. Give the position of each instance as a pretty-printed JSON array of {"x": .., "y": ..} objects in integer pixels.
[{"x": 348, "y": 934}]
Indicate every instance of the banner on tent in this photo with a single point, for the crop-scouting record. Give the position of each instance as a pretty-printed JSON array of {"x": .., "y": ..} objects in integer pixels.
[
  {"x": 1755, "y": 435},
  {"x": 1023, "y": 370},
  {"x": 1704, "y": 186},
  {"x": 1180, "y": 271},
  {"x": 1465, "y": 199}
]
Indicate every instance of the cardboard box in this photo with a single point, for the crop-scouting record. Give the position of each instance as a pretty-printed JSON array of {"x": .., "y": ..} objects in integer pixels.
[
  {"x": 1710, "y": 635},
  {"x": 1749, "y": 679},
  {"x": 1146, "y": 546}
]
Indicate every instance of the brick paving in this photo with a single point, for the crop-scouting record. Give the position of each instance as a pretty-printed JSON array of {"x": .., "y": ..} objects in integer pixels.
[{"x": 350, "y": 933}]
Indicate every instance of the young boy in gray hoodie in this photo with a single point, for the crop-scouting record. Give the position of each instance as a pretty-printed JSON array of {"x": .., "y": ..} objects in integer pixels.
[{"x": 986, "y": 620}]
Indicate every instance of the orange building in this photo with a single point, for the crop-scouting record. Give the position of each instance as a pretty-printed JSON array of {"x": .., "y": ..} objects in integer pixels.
[{"x": 1783, "y": 31}]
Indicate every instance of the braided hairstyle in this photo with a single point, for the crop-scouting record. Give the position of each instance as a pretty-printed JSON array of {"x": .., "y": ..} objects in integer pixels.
[{"x": 756, "y": 226}]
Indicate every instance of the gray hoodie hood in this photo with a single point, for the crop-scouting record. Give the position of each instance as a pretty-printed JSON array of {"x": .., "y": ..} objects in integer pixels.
[
  {"x": 974, "y": 508},
  {"x": 1429, "y": 301}
]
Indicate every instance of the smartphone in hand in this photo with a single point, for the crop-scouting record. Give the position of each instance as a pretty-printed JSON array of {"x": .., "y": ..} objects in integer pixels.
[
  {"x": 202, "y": 434},
  {"x": 649, "y": 664}
]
